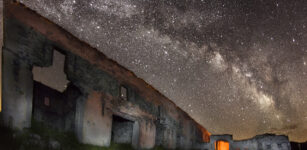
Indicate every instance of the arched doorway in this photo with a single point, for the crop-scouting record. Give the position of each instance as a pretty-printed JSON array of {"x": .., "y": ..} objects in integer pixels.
[{"x": 221, "y": 145}]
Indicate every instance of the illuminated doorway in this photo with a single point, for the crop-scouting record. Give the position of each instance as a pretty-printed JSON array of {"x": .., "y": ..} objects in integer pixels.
[{"x": 221, "y": 145}]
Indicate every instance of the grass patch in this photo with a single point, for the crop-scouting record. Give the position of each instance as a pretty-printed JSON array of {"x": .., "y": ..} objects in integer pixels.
[{"x": 38, "y": 137}]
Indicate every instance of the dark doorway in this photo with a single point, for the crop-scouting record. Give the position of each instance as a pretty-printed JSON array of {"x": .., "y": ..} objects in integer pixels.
[
  {"x": 53, "y": 108},
  {"x": 54, "y": 97},
  {"x": 122, "y": 130},
  {"x": 298, "y": 146}
]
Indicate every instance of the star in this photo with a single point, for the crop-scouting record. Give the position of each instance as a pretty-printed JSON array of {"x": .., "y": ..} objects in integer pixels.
[{"x": 222, "y": 62}]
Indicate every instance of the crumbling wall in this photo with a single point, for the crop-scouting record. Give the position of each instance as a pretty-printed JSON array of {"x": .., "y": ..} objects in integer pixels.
[
  {"x": 88, "y": 76},
  {"x": 175, "y": 129},
  {"x": 260, "y": 142},
  {"x": 96, "y": 124},
  {"x": 135, "y": 98},
  {"x": 17, "y": 91},
  {"x": 147, "y": 134},
  {"x": 188, "y": 133},
  {"x": 136, "y": 135},
  {"x": 59, "y": 112},
  {"x": 48, "y": 106},
  {"x": 99, "y": 79},
  {"x": 72, "y": 94},
  {"x": 245, "y": 144},
  {"x": 273, "y": 142},
  {"x": 23, "y": 48},
  {"x": 166, "y": 128}
]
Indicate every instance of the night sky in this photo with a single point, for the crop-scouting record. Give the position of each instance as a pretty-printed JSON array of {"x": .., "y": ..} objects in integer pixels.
[{"x": 236, "y": 66}]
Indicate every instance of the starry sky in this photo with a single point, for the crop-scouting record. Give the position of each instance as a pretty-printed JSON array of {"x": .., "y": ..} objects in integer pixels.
[{"x": 238, "y": 67}]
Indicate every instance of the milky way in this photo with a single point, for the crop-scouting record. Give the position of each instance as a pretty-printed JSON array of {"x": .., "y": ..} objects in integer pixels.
[{"x": 237, "y": 67}]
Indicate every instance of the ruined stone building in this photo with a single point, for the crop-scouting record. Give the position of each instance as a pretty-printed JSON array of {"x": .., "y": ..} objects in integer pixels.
[
  {"x": 103, "y": 102},
  {"x": 259, "y": 142}
]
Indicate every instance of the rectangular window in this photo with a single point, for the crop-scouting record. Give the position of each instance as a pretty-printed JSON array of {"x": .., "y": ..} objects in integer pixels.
[
  {"x": 123, "y": 93},
  {"x": 47, "y": 101}
]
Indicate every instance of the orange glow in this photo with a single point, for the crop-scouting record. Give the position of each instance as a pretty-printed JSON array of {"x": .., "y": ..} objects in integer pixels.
[
  {"x": 205, "y": 133},
  {"x": 221, "y": 145}
]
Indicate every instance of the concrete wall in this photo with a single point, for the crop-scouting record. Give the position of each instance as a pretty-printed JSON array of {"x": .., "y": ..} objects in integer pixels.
[
  {"x": 96, "y": 75},
  {"x": 136, "y": 135},
  {"x": 187, "y": 135},
  {"x": 23, "y": 49},
  {"x": 273, "y": 142},
  {"x": 260, "y": 142},
  {"x": 169, "y": 127},
  {"x": 122, "y": 131},
  {"x": 147, "y": 134},
  {"x": 96, "y": 126},
  {"x": 245, "y": 144},
  {"x": 17, "y": 91},
  {"x": 170, "y": 134},
  {"x": 79, "y": 116},
  {"x": 175, "y": 129},
  {"x": 53, "y": 115},
  {"x": 60, "y": 114}
]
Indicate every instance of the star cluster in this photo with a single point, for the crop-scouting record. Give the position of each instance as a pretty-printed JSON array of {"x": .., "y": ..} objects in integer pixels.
[{"x": 237, "y": 67}]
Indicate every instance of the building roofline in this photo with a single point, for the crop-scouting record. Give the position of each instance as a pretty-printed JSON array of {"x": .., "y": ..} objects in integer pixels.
[{"x": 57, "y": 34}]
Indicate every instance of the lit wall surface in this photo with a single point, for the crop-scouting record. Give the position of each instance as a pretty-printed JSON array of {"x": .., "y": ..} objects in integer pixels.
[{"x": 221, "y": 145}]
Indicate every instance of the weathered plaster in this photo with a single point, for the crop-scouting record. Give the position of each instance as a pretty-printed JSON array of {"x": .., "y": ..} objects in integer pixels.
[
  {"x": 17, "y": 91},
  {"x": 260, "y": 142},
  {"x": 147, "y": 134},
  {"x": 96, "y": 126}
]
